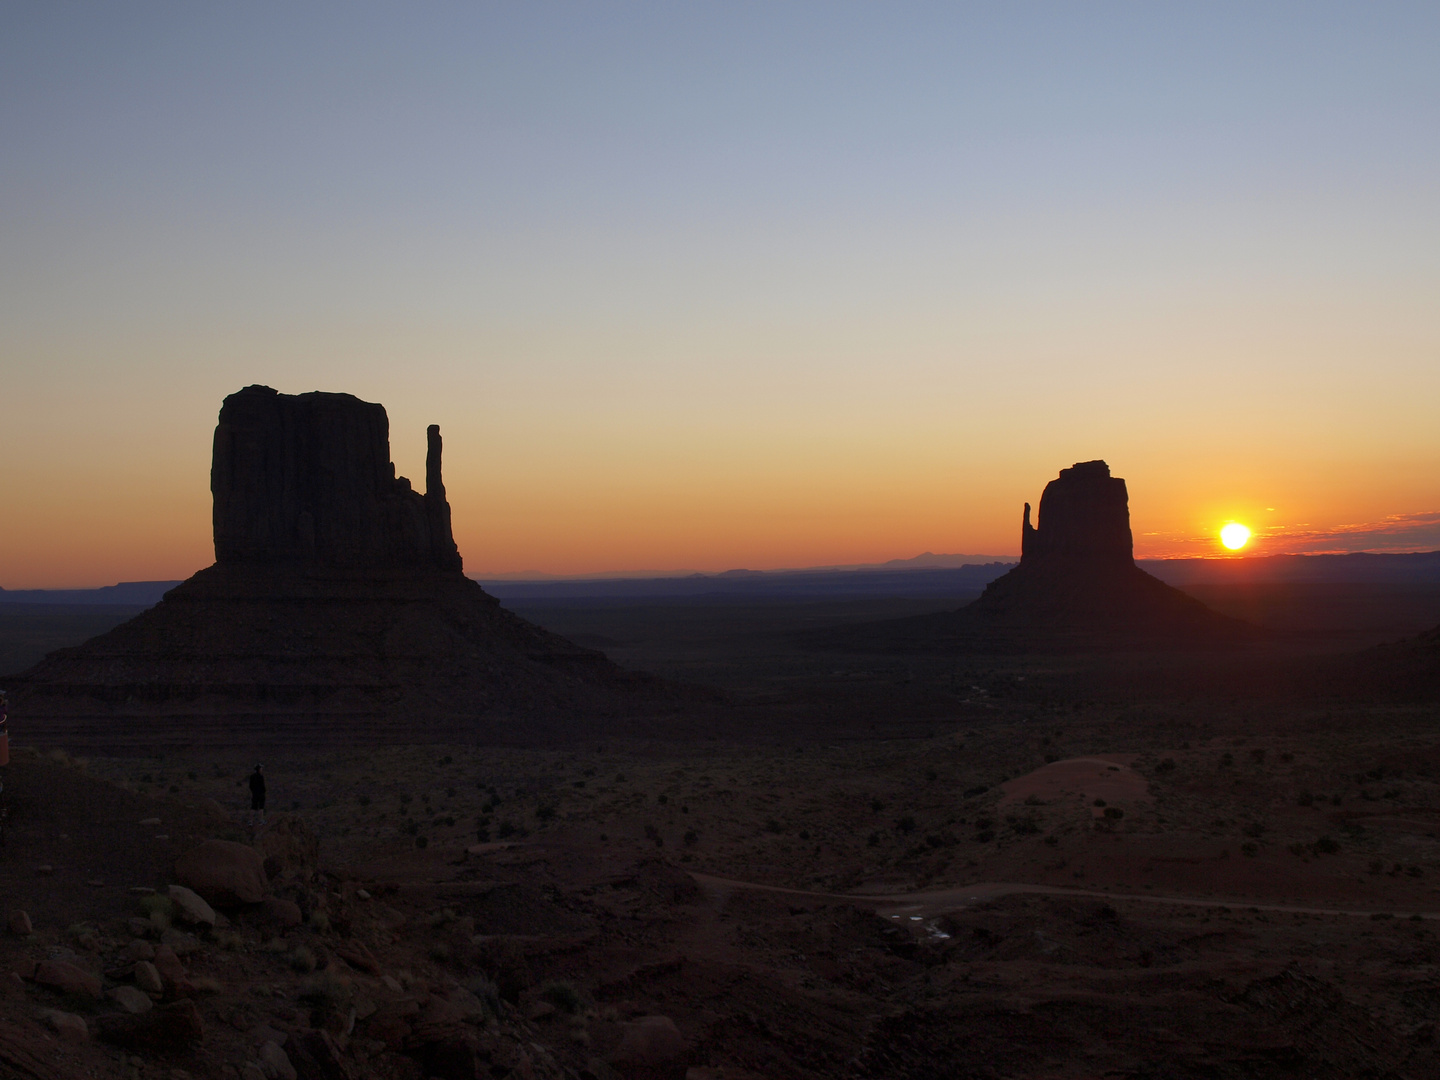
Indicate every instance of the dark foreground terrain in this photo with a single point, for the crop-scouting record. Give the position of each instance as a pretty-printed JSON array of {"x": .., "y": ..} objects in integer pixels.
[{"x": 852, "y": 865}]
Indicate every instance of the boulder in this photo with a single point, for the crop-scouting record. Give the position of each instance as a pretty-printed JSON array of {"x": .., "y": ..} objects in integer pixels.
[
  {"x": 130, "y": 999},
  {"x": 166, "y": 1027},
  {"x": 223, "y": 872},
  {"x": 20, "y": 924},
  {"x": 275, "y": 1062},
  {"x": 67, "y": 978},
  {"x": 139, "y": 949},
  {"x": 316, "y": 1056},
  {"x": 358, "y": 956},
  {"x": 147, "y": 977},
  {"x": 652, "y": 1048},
  {"x": 168, "y": 964},
  {"x": 190, "y": 907},
  {"x": 67, "y": 1025}
]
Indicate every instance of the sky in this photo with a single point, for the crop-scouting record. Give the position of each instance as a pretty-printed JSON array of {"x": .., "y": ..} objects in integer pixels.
[{"x": 704, "y": 286}]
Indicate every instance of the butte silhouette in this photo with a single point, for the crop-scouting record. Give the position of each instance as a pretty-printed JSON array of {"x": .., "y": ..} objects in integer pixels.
[
  {"x": 336, "y": 610},
  {"x": 1076, "y": 586}
]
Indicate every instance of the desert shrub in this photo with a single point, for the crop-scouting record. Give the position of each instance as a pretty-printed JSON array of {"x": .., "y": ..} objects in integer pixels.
[
  {"x": 1026, "y": 826},
  {"x": 804, "y": 834},
  {"x": 1052, "y": 839},
  {"x": 422, "y": 841},
  {"x": 906, "y": 824},
  {"x": 482, "y": 834},
  {"x": 873, "y": 840},
  {"x": 1114, "y": 813},
  {"x": 773, "y": 826},
  {"x": 1250, "y": 848},
  {"x": 1414, "y": 871},
  {"x": 563, "y": 995},
  {"x": 319, "y": 921},
  {"x": 663, "y": 799},
  {"x": 691, "y": 837},
  {"x": 1377, "y": 866},
  {"x": 1258, "y": 756},
  {"x": 971, "y": 793},
  {"x": 1326, "y": 845},
  {"x": 159, "y": 908},
  {"x": 545, "y": 812},
  {"x": 406, "y": 799},
  {"x": 412, "y": 828},
  {"x": 505, "y": 830},
  {"x": 984, "y": 836},
  {"x": 302, "y": 960},
  {"x": 1335, "y": 800},
  {"x": 876, "y": 806},
  {"x": 931, "y": 776},
  {"x": 364, "y": 800},
  {"x": 1305, "y": 798},
  {"x": 1254, "y": 829},
  {"x": 1034, "y": 800},
  {"x": 1167, "y": 765},
  {"x": 1098, "y": 802},
  {"x": 1227, "y": 758},
  {"x": 229, "y": 940},
  {"x": 1287, "y": 758}
]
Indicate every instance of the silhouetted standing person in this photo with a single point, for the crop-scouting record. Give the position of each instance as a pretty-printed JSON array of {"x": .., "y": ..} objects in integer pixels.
[{"x": 257, "y": 796}]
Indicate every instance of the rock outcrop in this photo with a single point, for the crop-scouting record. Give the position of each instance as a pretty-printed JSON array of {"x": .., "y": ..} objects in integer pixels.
[
  {"x": 308, "y": 479},
  {"x": 1077, "y": 574},
  {"x": 1076, "y": 587},
  {"x": 336, "y": 611}
]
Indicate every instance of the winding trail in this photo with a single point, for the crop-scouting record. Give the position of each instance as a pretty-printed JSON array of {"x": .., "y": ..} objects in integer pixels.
[{"x": 920, "y": 907}]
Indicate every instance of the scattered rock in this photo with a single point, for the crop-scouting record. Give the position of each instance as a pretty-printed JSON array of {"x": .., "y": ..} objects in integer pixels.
[
  {"x": 260, "y": 1034},
  {"x": 139, "y": 949},
  {"x": 275, "y": 1062},
  {"x": 192, "y": 908},
  {"x": 67, "y": 978},
  {"x": 358, "y": 956},
  {"x": 251, "y": 1070},
  {"x": 317, "y": 1057},
  {"x": 392, "y": 984},
  {"x": 130, "y": 999},
  {"x": 223, "y": 872},
  {"x": 20, "y": 924},
  {"x": 68, "y": 1026},
  {"x": 166, "y": 1027},
  {"x": 652, "y": 1048},
  {"x": 45, "y": 868},
  {"x": 25, "y": 967},
  {"x": 179, "y": 942},
  {"x": 168, "y": 964},
  {"x": 139, "y": 927},
  {"x": 147, "y": 977},
  {"x": 150, "y": 821}
]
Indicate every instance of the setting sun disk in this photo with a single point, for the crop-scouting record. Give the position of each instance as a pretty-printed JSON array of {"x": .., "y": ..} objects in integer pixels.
[{"x": 1234, "y": 536}]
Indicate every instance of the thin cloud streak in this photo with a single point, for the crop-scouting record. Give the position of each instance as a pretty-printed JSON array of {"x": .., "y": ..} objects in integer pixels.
[{"x": 1396, "y": 533}]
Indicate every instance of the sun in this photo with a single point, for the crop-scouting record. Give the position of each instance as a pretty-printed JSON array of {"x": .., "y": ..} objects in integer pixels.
[{"x": 1234, "y": 536}]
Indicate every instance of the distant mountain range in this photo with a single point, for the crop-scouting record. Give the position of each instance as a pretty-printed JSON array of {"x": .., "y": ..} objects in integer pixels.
[{"x": 927, "y": 575}]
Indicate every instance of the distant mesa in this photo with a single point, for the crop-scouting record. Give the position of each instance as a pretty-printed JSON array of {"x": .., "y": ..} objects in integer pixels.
[
  {"x": 1076, "y": 585},
  {"x": 336, "y": 609},
  {"x": 1077, "y": 568}
]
